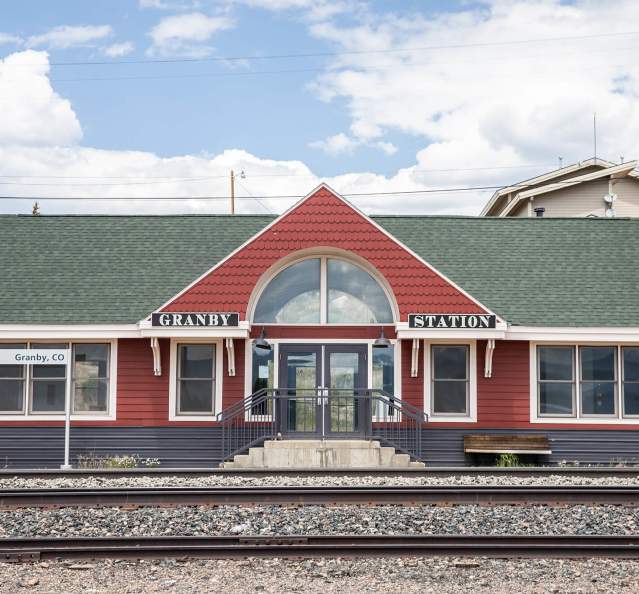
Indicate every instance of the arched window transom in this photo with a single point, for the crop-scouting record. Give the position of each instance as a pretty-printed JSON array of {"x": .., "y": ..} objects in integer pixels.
[{"x": 323, "y": 290}]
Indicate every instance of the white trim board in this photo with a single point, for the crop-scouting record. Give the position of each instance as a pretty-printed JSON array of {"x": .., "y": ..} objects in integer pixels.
[{"x": 68, "y": 332}]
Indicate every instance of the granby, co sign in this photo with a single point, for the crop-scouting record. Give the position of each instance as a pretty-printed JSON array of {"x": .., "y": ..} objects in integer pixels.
[
  {"x": 196, "y": 319},
  {"x": 451, "y": 321},
  {"x": 34, "y": 356}
]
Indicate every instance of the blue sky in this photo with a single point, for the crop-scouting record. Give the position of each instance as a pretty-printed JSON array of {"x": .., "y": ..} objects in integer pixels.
[
  {"x": 273, "y": 115},
  {"x": 419, "y": 94}
]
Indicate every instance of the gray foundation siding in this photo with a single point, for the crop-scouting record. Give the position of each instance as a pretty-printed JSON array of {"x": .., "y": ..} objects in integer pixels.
[{"x": 43, "y": 447}]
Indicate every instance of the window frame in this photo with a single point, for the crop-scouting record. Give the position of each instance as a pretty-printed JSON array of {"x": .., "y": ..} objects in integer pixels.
[
  {"x": 623, "y": 382},
  {"x": 25, "y": 381},
  {"x": 218, "y": 362},
  {"x": 26, "y": 414},
  {"x": 573, "y": 382},
  {"x": 471, "y": 394},
  {"x": 615, "y": 382},
  {"x": 108, "y": 377},
  {"x": 29, "y": 373},
  {"x": 323, "y": 257},
  {"x": 619, "y": 418}
]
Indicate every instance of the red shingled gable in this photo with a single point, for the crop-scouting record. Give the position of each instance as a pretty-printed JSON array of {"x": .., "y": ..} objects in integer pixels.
[{"x": 324, "y": 219}]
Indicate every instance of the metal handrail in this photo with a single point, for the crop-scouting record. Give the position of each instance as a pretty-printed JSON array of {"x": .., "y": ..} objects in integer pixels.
[{"x": 378, "y": 414}]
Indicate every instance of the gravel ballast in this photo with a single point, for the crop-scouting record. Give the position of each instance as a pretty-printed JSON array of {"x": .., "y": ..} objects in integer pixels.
[
  {"x": 268, "y": 520},
  {"x": 279, "y": 480},
  {"x": 328, "y": 576}
]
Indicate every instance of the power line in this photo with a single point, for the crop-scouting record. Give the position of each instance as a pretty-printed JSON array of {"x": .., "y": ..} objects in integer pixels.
[
  {"x": 163, "y": 179},
  {"x": 327, "y": 69},
  {"x": 338, "y": 53},
  {"x": 284, "y": 196}
]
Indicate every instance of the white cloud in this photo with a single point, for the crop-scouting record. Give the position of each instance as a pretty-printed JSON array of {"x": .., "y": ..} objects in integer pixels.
[
  {"x": 314, "y": 10},
  {"x": 184, "y": 34},
  {"x": 336, "y": 145},
  {"x": 7, "y": 38},
  {"x": 340, "y": 144},
  {"x": 169, "y": 4},
  {"x": 32, "y": 112},
  {"x": 117, "y": 50},
  {"x": 68, "y": 36},
  {"x": 486, "y": 105}
]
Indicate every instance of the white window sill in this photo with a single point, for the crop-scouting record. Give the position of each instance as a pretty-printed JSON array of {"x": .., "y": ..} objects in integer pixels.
[
  {"x": 56, "y": 417},
  {"x": 438, "y": 419},
  {"x": 586, "y": 420},
  {"x": 191, "y": 418}
]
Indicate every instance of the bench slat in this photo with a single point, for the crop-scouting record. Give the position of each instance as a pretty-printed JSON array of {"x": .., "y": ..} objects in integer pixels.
[{"x": 507, "y": 444}]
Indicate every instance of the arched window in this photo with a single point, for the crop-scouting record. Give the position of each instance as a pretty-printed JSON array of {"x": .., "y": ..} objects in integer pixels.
[{"x": 323, "y": 290}]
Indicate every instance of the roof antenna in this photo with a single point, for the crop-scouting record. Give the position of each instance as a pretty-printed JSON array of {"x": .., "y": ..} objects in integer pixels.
[
  {"x": 621, "y": 158},
  {"x": 561, "y": 162},
  {"x": 594, "y": 134}
]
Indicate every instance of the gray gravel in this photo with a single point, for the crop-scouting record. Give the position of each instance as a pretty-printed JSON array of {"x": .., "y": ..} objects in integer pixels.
[
  {"x": 269, "y": 520},
  {"x": 326, "y": 576},
  {"x": 17, "y": 482}
]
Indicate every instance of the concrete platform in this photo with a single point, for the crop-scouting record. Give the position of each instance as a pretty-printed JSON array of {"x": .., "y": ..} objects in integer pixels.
[{"x": 315, "y": 453}]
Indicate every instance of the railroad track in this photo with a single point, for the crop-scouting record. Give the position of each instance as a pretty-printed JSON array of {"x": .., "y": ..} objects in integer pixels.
[
  {"x": 302, "y": 546},
  {"x": 297, "y": 496},
  {"x": 435, "y": 471}
]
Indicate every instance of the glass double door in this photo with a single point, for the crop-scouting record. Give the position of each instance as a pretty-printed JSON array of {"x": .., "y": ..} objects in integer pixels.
[{"x": 322, "y": 390}]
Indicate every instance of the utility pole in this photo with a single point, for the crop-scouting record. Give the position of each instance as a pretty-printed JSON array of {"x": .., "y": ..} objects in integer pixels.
[{"x": 232, "y": 192}]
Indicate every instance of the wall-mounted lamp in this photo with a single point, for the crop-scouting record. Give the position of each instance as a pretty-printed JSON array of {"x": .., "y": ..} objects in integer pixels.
[
  {"x": 382, "y": 342},
  {"x": 261, "y": 343}
]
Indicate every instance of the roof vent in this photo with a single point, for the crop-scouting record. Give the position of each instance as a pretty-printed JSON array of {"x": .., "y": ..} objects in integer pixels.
[{"x": 539, "y": 211}]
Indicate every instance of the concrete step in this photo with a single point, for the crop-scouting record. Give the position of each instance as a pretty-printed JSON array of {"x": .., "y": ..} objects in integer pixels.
[
  {"x": 400, "y": 461},
  {"x": 288, "y": 444},
  {"x": 316, "y": 453}
]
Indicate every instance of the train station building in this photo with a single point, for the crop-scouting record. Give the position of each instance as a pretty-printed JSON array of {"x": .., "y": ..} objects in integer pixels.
[{"x": 200, "y": 339}]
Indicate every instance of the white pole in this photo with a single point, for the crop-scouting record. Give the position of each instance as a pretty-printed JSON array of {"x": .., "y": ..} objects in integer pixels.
[{"x": 67, "y": 414}]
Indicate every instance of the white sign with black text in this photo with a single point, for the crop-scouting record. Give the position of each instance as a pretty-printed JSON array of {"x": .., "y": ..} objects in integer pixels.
[
  {"x": 452, "y": 321},
  {"x": 34, "y": 356}
]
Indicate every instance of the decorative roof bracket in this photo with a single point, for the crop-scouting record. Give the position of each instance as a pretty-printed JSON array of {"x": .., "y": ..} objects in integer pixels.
[
  {"x": 230, "y": 355},
  {"x": 157, "y": 361},
  {"x": 414, "y": 363},
  {"x": 488, "y": 360}
]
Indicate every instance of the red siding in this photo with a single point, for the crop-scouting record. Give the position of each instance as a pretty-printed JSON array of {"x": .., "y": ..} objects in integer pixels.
[
  {"x": 324, "y": 220},
  {"x": 143, "y": 398}
]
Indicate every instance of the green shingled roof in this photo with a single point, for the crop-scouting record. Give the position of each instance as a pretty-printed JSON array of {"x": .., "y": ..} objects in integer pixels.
[{"x": 116, "y": 269}]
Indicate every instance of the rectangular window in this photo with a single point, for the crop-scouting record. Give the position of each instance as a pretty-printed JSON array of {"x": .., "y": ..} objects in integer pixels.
[
  {"x": 263, "y": 379},
  {"x": 556, "y": 380},
  {"x": 450, "y": 379},
  {"x": 91, "y": 378},
  {"x": 598, "y": 380},
  {"x": 12, "y": 380},
  {"x": 196, "y": 379},
  {"x": 47, "y": 384},
  {"x": 384, "y": 379},
  {"x": 630, "y": 378}
]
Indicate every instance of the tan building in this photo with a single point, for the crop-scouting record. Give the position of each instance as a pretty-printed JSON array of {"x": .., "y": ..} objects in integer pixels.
[{"x": 591, "y": 188}]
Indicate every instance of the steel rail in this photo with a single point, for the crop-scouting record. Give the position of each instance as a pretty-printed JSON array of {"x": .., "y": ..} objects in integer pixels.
[
  {"x": 304, "y": 495},
  {"x": 296, "y": 546},
  {"x": 434, "y": 471}
]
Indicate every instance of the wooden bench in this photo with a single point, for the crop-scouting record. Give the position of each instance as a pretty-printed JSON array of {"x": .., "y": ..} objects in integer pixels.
[{"x": 507, "y": 444}]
